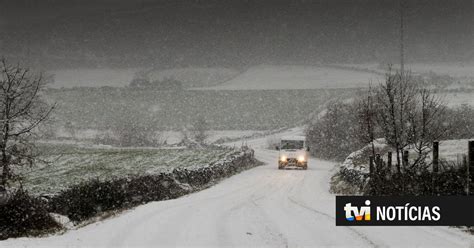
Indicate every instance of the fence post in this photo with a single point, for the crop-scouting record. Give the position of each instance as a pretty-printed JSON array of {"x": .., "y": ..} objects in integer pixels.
[
  {"x": 378, "y": 162},
  {"x": 405, "y": 160},
  {"x": 464, "y": 164},
  {"x": 435, "y": 157},
  {"x": 389, "y": 162},
  {"x": 471, "y": 164}
]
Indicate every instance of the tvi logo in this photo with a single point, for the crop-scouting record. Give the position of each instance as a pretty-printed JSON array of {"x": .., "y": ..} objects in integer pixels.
[{"x": 362, "y": 214}]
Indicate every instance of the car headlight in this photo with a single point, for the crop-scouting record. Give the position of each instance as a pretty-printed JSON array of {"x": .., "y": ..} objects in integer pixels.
[
  {"x": 283, "y": 158},
  {"x": 301, "y": 159}
]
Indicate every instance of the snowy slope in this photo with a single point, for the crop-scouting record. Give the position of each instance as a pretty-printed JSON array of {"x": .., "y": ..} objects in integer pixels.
[
  {"x": 195, "y": 76},
  {"x": 190, "y": 76},
  {"x": 458, "y": 70},
  {"x": 92, "y": 77},
  {"x": 297, "y": 77},
  {"x": 262, "y": 207}
]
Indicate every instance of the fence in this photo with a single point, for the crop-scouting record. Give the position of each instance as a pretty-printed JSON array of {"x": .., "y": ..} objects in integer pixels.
[{"x": 383, "y": 179}]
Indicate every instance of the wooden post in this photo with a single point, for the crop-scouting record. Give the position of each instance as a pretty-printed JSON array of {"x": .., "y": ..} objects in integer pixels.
[
  {"x": 471, "y": 165},
  {"x": 405, "y": 160},
  {"x": 389, "y": 162},
  {"x": 378, "y": 162},
  {"x": 435, "y": 157},
  {"x": 464, "y": 164}
]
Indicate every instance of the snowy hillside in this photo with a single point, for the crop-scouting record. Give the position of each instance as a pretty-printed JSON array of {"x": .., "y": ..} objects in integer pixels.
[
  {"x": 92, "y": 77},
  {"x": 298, "y": 77},
  {"x": 224, "y": 110},
  {"x": 459, "y": 70},
  {"x": 190, "y": 76},
  {"x": 256, "y": 77},
  {"x": 195, "y": 76}
]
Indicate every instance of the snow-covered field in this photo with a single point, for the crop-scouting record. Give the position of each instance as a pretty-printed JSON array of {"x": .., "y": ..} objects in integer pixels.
[
  {"x": 261, "y": 207},
  {"x": 297, "y": 77},
  {"x": 458, "y": 98},
  {"x": 449, "y": 150},
  {"x": 165, "y": 110},
  {"x": 171, "y": 137},
  {"x": 195, "y": 76},
  {"x": 64, "y": 165},
  {"x": 458, "y": 70},
  {"x": 92, "y": 77},
  {"x": 452, "y": 150},
  {"x": 256, "y": 77},
  {"x": 191, "y": 76}
]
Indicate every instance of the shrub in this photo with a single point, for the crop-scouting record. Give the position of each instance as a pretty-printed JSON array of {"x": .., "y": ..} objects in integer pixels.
[
  {"x": 89, "y": 198},
  {"x": 24, "y": 215},
  {"x": 452, "y": 181}
]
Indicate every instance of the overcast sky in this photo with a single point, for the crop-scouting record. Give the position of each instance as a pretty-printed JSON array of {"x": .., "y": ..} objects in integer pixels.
[{"x": 232, "y": 33}]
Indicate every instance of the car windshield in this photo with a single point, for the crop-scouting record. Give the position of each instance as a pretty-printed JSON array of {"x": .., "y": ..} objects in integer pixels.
[{"x": 292, "y": 144}]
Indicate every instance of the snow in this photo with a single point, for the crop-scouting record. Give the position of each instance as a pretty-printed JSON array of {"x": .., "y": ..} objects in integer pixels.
[
  {"x": 92, "y": 77},
  {"x": 452, "y": 150},
  {"x": 449, "y": 150},
  {"x": 192, "y": 76},
  {"x": 458, "y": 70},
  {"x": 458, "y": 98},
  {"x": 256, "y": 77},
  {"x": 297, "y": 77},
  {"x": 195, "y": 76},
  {"x": 295, "y": 137},
  {"x": 352, "y": 162},
  {"x": 171, "y": 137},
  {"x": 62, "y": 165},
  {"x": 261, "y": 207},
  {"x": 62, "y": 220}
]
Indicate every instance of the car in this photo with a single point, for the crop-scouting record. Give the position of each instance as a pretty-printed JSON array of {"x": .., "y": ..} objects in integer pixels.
[{"x": 293, "y": 152}]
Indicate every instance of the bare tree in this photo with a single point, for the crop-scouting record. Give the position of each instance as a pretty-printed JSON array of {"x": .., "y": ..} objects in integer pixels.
[
  {"x": 22, "y": 109},
  {"x": 130, "y": 128},
  {"x": 407, "y": 114},
  {"x": 426, "y": 121},
  {"x": 395, "y": 100},
  {"x": 335, "y": 134},
  {"x": 367, "y": 122}
]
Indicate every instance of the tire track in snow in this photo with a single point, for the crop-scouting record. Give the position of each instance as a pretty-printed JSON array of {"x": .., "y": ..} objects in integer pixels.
[
  {"x": 123, "y": 233},
  {"x": 252, "y": 207},
  {"x": 359, "y": 234}
]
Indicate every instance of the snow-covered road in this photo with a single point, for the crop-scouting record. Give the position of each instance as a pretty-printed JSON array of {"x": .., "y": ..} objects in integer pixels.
[{"x": 263, "y": 206}]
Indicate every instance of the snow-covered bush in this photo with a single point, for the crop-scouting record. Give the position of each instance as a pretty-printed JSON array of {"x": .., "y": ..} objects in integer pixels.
[
  {"x": 352, "y": 176},
  {"x": 23, "y": 214}
]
